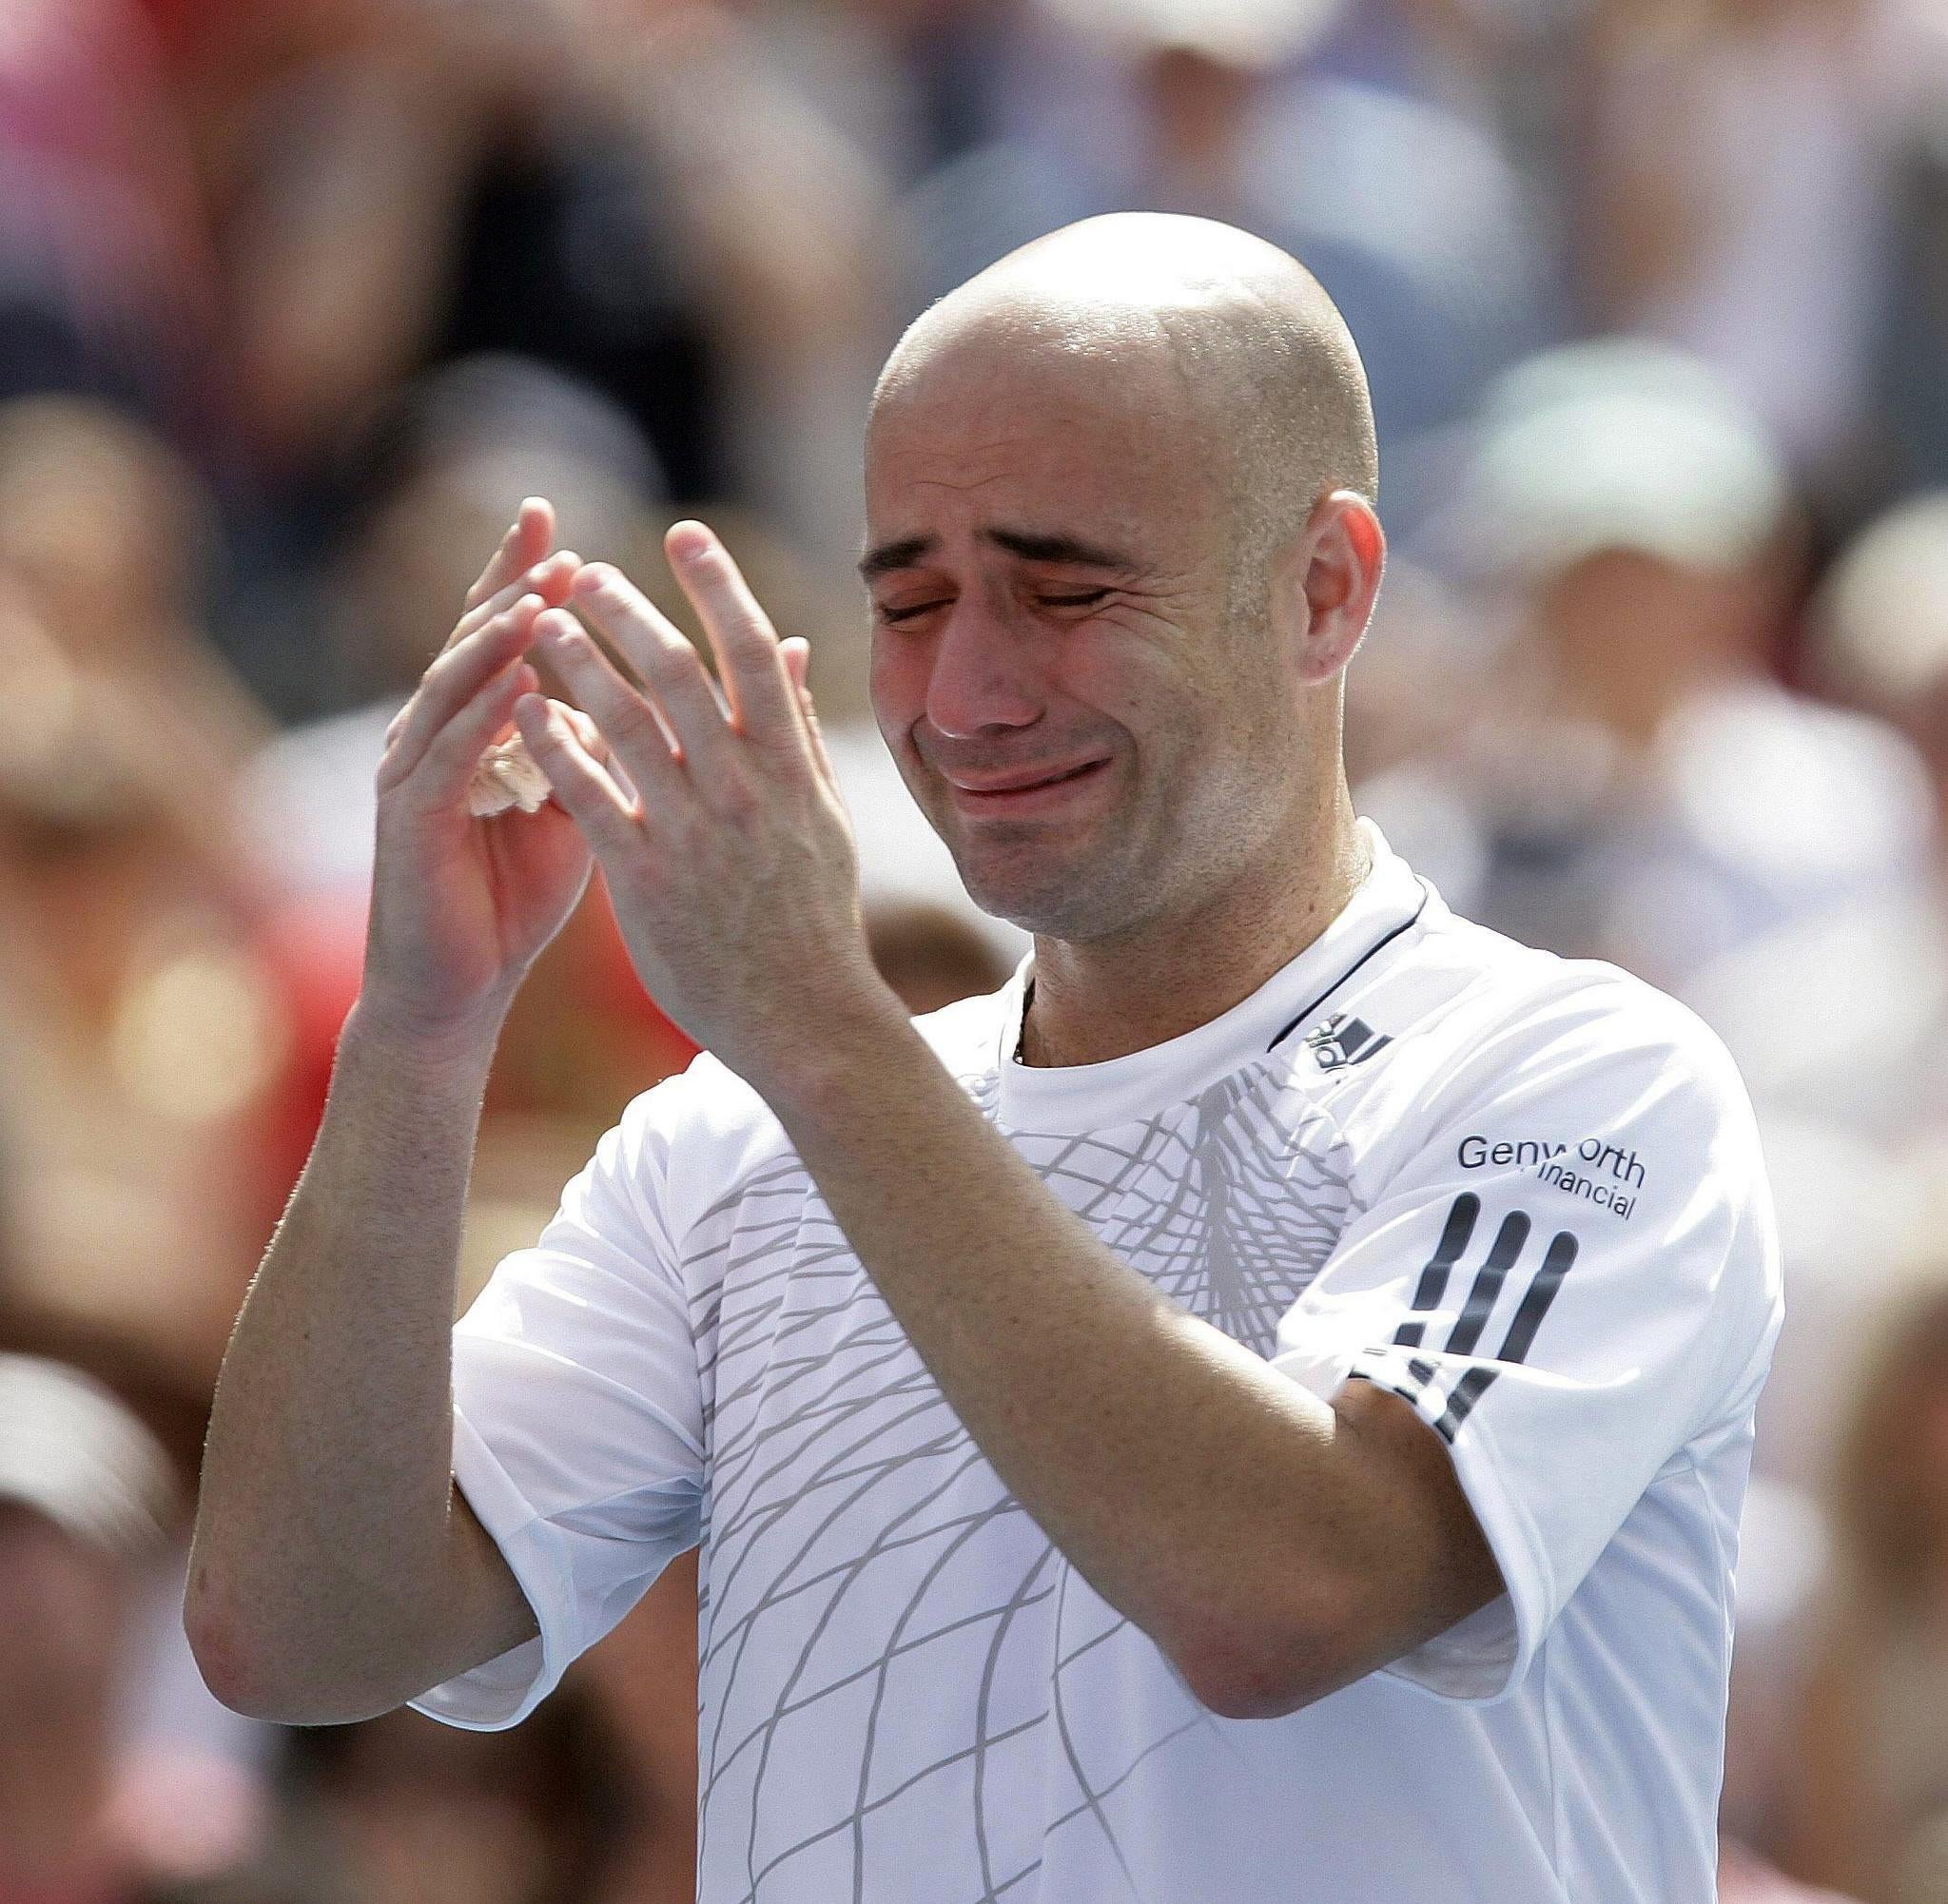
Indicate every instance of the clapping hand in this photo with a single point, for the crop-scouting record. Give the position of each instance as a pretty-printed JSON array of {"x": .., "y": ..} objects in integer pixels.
[
  {"x": 726, "y": 846},
  {"x": 462, "y": 905}
]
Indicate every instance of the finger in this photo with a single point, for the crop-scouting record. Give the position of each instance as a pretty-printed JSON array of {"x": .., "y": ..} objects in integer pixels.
[
  {"x": 582, "y": 786},
  {"x": 632, "y": 726},
  {"x": 527, "y": 540},
  {"x": 446, "y": 770},
  {"x": 669, "y": 668},
  {"x": 590, "y": 735},
  {"x": 500, "y": 567},
  {"x": 740, "y": 632},
  {"x": 795, "y": 651},
  {"x": 453, "y": 679},
  {"x": 551, "y": 579}
]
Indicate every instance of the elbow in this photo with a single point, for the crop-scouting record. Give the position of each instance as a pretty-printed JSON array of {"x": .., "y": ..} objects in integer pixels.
[
  {"x": 222, "y": 1653},
  {"x": 215, "y": 1644},
  {"x": 237, "y": 1678},
  {"x": 1256, "y": 1669},
  {"x": 229, "y": 1671},
  {"x": 1238, "y": 1685}
]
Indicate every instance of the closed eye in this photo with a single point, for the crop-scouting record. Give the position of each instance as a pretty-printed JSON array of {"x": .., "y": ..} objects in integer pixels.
[
  {"x": 1085, "y": 599},
  {"x": 908, "y": 613}
]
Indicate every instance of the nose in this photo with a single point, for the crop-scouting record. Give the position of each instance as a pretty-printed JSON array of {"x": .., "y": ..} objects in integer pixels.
[{"x": 984, "y": 678}]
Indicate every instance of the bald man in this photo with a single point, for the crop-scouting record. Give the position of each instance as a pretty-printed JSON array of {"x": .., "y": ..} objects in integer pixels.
[{"x": 1257, "y": 1409}]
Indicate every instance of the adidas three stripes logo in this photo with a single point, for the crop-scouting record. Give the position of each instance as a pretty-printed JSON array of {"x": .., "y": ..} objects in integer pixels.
[{"x": 1504, "y": 1253}]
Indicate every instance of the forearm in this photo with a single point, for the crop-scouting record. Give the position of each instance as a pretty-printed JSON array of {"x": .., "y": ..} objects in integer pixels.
[
  {"x": 322, "y": 1546},
  {"x": 1206, "y": 1497}
]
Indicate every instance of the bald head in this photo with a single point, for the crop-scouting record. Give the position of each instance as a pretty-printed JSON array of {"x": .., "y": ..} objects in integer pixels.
[
  {"x": 1198, "y": 317},
  {"x": 1120, "y": 534}
]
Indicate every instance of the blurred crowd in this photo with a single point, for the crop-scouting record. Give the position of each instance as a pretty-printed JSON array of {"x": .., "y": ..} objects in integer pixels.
[{"x": 298, "y": 298}]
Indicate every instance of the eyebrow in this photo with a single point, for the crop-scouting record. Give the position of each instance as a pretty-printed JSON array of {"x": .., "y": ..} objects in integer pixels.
[{"x": 1030, "y": 545}]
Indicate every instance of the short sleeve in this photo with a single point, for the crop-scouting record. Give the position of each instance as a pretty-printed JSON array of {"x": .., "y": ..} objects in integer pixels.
[
  {"x": 579, "y": 1422},
  {"x": 1570, "y": 1278}
]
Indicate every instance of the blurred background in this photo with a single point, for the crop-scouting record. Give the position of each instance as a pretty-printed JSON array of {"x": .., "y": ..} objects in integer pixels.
[{"x": 298, "y": 298}]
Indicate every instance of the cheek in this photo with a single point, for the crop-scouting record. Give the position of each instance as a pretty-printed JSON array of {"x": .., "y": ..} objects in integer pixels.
[
  {"x": 1131, "y": 685},
  {"x": 896, "y": 682}
]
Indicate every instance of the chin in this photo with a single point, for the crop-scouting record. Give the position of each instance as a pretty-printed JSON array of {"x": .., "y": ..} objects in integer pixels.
[
  {"x": 1053, "y": 903},
  {"x": 1035, "y": 905}
]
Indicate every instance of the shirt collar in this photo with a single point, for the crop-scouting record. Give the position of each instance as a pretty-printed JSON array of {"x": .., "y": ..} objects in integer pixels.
[{"x": 1092, "y": 1096}]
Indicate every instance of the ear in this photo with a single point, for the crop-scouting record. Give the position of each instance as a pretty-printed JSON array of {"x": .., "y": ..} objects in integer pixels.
[{"x": 1331, "y": 578}]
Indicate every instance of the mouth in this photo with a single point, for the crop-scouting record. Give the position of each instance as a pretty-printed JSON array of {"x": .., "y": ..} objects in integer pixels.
[{"x": 1024, "y": 795}]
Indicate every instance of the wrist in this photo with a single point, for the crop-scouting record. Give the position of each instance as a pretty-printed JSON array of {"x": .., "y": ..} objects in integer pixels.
[
  {"x": 461, "y": 1045},
  {"x": 826, "y": 1048}
]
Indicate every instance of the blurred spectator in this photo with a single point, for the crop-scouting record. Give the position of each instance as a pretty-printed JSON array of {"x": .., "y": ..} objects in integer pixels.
[
  {"x": 922, "y": 83},
  {"x": 144, "y": 1014},
  {"x": 644, "y": 1676},
  {"x": 1912, "y": 397},
  {"x": 106, "y": 271},
  {"x": 1782, "y": 1567},
  {"x": 1743, "y": 1877},
  {"x": 189, "y": 1806},
  {"x": 121, "y": 1781},
  {"x": 1881, "y": 629},
  {"x": 631, "y": 192},
  {"x": 409, "y": 1813},
  {"x": 1511, "y": 69},
  {"x": 1881, "y": 643},
  {"x": 107, "y": 535},
  {"x": 1852, "y": 1210},
  {"x": 86, "y": 1496},
  {"x": 1410, "y": 215},
  {"x": 1455, "y": 51},
  {"x": 1868, "y": 1753},
  {"x": 1419, "y": 675},
  {"x": 1734, "y": 198},
  {"x": 1631, "y": 782}
]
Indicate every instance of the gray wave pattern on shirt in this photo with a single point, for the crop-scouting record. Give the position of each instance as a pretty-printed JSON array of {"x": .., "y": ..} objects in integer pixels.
[{"x": 841, "y": 1485}]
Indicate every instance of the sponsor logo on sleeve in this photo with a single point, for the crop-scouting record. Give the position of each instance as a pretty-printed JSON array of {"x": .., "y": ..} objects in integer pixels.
[{"x": 1608, "y": 1175}]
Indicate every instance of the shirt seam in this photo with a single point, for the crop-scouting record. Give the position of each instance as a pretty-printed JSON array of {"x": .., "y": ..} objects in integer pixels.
[{"x": 1552, "y": 1746}]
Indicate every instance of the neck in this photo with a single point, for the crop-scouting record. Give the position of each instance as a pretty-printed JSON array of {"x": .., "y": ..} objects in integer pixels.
[{"x": 1100, "y": 999}]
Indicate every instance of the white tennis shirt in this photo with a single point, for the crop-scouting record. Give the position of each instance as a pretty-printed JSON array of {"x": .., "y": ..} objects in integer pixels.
[{"x": 1522, "y": 1193}]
